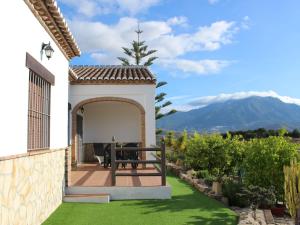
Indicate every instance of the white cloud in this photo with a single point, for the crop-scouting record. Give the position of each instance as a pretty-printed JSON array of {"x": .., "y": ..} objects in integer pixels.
[
  {"x": 136, "y": 6},
  {"x": 203, "y": 101},
  {"x": 178, "y": 20},
  {"x": 186, "y": 103},
  {"x": 105, "y": 42},
  {"x": 178, "y": 97},
  {"x": 246, "y": 23},
  {"x": 179, "y": 107},
  {"x": 199, "y": 67},
  {"x": 213, "y": 1},
  {"x": 91, "y": 8},
  {"x": 105, "y": 59}
]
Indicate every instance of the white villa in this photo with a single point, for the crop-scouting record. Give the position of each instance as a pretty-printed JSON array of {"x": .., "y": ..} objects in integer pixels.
[{"x": 70, "y": 133}]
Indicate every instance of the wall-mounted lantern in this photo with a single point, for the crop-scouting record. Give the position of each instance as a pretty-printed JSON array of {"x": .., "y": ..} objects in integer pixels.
[
  {"x": 82, "y": 109},
  {"x": 47, "y": 49}
]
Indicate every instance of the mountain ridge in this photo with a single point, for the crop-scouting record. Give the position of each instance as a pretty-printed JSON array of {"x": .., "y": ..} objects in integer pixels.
[{"x": 241, "y": 114}]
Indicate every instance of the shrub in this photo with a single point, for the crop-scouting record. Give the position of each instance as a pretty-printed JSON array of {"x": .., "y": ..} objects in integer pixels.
[
  {"x": 260, "y": 197},
  {"x": 235, "y": 149},
  {"x": 171, "y": 156},
  {"x": 212, "y": 152},
  {"x": 202, "y": 174},
  {"x": 181, "y": 142},
  {"x": 233, "y": 190},
  {"x": 205, "y": 176},
  {"x": 170, "y": 139},
  {"x": 210, "y": 179},
  {"x": 202, "y": 151},
  {"x": 264, "y": 162}
]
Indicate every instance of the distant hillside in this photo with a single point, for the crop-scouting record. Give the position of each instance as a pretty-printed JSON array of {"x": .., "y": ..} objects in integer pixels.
[{"x": 250, "y": 113}]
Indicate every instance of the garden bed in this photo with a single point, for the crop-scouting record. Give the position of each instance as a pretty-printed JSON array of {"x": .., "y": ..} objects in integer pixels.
[
  {"x": 237, "y": 172},
  {"x": 245, "y": 214}
]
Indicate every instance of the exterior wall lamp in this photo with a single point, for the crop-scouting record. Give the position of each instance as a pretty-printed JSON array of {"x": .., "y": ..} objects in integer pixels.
[
  {"x": 82, "y": 109},
  {"x": 47, "y": 49}
]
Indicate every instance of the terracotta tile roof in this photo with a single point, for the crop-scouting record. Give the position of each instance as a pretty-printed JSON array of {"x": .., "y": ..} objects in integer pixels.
[
  {"x": 49, "y": 15},
  {"x": 111, "y": 74}
]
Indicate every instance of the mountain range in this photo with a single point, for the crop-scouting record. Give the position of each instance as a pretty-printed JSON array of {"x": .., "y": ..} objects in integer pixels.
[{"x": 242, "y": 114}]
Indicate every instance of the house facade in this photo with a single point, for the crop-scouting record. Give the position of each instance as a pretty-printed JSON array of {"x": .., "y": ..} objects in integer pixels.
[
  {"x": 54, "y": 116},
  {"x": 34, "y": 91},
  {"x": 115, "y": 101}
]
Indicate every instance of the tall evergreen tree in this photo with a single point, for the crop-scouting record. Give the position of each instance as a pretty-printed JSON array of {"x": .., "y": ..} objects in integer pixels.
[{"x": 142, "y": 56}]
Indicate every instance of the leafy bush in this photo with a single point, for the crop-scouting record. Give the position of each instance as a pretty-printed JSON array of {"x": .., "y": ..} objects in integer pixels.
[
  {"x": 233, "y": 190},
  {"x": 239, "y": 195},
  {"x": 170, "y": 139},
  {"x": 212, "y": 152},
  {"x": 210, "y": 179},
  {"x": 202, "y": 174},
  {"x": 260, "y": 197},
  {"x": 171, "y": 156},
  {"x": 264, "y": 162},
  {"x": 181, "y": 142},
  {"x": 176, "y": 147},
  {"x": 257, "y": 162},
  {"x": 206, "y": 176}
]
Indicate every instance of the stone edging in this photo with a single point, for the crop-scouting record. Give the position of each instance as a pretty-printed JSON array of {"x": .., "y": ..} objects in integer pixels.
[
  {"x": 245, "y": 214},
  {"x": 196, "y": 183},
  {"x": 31, "y": 153}
]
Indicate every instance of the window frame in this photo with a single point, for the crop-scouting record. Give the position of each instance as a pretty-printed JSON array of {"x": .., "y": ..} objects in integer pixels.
[{"x": 39, "y": 105}]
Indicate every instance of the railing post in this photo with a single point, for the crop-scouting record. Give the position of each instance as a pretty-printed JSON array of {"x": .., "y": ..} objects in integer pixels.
[
  {"x": 113, "y": 162},
  {"x": 163, "y": 162}
]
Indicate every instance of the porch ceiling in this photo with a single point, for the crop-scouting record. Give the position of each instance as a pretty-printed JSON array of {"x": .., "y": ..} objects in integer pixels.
[{"x": 111, "y": 75}]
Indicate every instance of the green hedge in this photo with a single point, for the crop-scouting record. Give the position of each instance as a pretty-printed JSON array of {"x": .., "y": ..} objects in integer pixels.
[
  {"x": 264, "y": 161},
  {"x": 257, "y": 162}
]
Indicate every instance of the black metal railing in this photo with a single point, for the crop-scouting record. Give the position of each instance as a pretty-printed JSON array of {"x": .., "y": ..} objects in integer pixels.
[{"x": 159, "y": 160}]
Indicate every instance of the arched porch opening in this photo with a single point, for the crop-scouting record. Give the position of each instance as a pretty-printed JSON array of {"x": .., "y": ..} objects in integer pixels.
[{"x": 105, "y": 117}]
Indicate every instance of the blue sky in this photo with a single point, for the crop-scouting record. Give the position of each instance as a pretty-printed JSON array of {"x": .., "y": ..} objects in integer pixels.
[{"x": 205, "y": 47}]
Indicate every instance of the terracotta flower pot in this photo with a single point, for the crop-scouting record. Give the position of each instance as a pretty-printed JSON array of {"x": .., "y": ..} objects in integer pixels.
[
  {"x": 217, "y": 188},
  {"x": 278, "y": 210}
]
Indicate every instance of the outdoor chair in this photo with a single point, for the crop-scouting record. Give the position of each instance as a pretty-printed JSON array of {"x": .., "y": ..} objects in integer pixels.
[
  {"x": 107, "y": 156},
  {"x": 120, "y": 156},
  {"x": 99, "y": 152},
  {"x": 132, "y": 155}
]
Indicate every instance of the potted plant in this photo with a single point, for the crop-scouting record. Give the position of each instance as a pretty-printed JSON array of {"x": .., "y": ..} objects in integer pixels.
[
  {"x": 217, "y": 183},
  {"x": 278, "y": 209},
  {"x": 217, "y": 186},
  {"x": 260, "y": 197}
]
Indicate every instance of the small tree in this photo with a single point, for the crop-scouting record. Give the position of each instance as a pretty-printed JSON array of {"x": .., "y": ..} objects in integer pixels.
[
  {"x": 295, "y": 133},
  {"x": 181, "y": 142},
  {"x": 264, "y": 161},
  {"x": 142, "y": 56},
  {"x": 170, "y": 139}
]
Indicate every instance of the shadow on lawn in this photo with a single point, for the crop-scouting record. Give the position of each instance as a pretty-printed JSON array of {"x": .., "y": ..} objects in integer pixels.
[
  {"x": 207, "y": 211},
  {"x": 215, "y": 219}
]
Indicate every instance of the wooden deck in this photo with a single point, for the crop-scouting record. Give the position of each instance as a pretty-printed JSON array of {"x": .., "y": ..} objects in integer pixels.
[{"x": 94, "y": 175}]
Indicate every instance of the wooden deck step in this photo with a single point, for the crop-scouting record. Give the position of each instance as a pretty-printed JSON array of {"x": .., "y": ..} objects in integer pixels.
[
  {"x": 269, "y": 217},
  {"x": 88, "y": 198}
]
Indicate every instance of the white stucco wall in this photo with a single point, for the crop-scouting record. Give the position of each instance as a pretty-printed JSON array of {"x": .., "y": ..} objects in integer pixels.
[
  {"x": 21, "y": 33},
  {"x": 143, "y": 94},
  {"x": 102, "y": 121}
]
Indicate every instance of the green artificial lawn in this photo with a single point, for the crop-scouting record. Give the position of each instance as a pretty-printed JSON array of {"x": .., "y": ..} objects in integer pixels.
[{"x": 187, "y": 206}]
